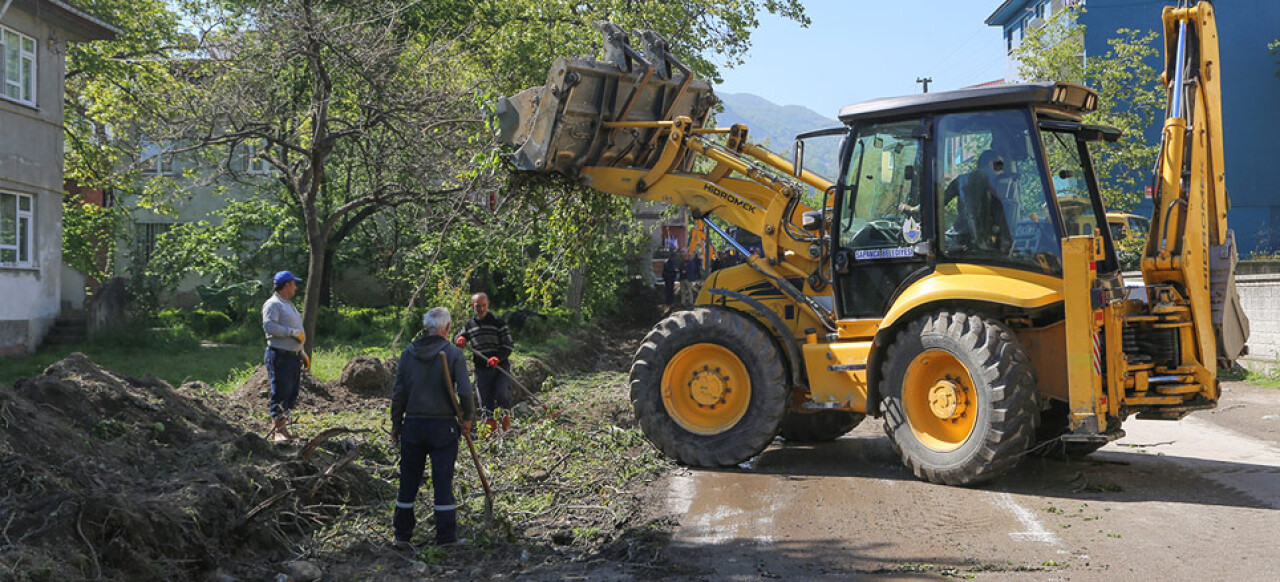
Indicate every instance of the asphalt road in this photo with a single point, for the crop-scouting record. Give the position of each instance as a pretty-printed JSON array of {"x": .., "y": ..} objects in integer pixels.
[{"x": 1197, "y": 499}]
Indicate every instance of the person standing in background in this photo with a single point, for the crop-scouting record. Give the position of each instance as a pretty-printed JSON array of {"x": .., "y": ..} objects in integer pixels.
[{"x": 284, "y": 358}]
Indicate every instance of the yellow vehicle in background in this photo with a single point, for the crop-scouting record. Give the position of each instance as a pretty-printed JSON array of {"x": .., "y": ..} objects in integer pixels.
[
  {"x": 958, "y": 279},
  {"x": 1125, "y": 226}
]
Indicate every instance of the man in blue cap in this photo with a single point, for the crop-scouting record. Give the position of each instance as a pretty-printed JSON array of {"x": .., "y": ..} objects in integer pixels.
[{"x": 285, "y": 358}]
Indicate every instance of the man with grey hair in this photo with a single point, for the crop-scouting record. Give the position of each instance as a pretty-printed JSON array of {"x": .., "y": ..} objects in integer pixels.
[{"x": 423, "y": 421}]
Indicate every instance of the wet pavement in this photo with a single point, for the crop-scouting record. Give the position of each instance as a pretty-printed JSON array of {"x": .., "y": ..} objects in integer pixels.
[{"x": 1187, "y": 500}]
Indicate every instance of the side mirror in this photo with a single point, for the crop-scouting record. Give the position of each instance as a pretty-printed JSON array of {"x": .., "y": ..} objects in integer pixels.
[
  {"x": 812, "y": 221},
  {"x": 909, "y": 172},
  {"x": 797, "y": 160}
]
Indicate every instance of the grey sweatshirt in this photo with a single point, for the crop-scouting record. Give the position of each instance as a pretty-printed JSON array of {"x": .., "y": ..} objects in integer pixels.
[{"x": 281, "y": 321}]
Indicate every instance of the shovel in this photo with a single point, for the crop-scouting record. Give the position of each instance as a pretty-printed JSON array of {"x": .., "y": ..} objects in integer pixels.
[
  {"x": 514, "y": 382},
  {"x": 466, "y": 434}
]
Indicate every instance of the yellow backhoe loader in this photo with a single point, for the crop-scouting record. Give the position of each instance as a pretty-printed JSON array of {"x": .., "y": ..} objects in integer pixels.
[{"x": 958, "y": 279}]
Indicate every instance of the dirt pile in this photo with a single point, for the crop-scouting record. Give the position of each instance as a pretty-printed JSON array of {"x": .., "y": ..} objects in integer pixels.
[
  {"x": 368, "y": 376},
  {"x": 104, "y": 475},
  {"x": 314, "y": 395}
]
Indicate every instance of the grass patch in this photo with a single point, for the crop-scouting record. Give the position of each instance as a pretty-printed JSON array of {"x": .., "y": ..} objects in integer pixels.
[
  {"x": 564, "y": 479},
  {"x": 171, "y": 354}
]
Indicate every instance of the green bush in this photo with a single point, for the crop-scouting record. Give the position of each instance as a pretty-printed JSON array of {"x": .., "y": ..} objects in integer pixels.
[
  {"x": 206, "y": 324},
  {"x": 209, "y": 323}
]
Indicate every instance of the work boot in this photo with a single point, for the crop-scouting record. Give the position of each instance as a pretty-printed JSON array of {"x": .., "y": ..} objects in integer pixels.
[
  {"x": 404, "y": 521},
  {"x": 492, "y": 424},
  {"x": 279, "y": 432},
  {"x": 506, "y": 422},
  {"x": 446, "y": 527}
]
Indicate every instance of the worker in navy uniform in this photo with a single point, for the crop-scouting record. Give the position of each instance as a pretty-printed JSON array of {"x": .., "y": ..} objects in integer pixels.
[{"x": 424, "y": 422}]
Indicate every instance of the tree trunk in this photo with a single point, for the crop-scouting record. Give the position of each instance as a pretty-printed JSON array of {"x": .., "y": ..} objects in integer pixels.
[
  {"x": 577, "y": 281},
  {"x": 315, "y": 276},
  {"x": 326, "y": 283}
]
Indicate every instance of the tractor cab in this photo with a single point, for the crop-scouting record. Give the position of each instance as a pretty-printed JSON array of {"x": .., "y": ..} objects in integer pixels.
[{"x": 991, "y": 176}]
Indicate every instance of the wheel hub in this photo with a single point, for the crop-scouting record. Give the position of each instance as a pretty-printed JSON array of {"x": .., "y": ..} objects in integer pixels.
[
  {"x": 708, "y": 387},
  {"x": 946, "y": 399},
  {"x": 940, "y": 400}
]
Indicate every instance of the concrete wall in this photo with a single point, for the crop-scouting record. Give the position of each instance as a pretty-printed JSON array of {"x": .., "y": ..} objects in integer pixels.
[
  {"x": 1260, "y": 297},
  {"x": 31, "y": 164}
]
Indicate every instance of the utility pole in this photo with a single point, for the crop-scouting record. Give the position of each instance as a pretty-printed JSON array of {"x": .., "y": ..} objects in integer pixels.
[{"x": 925, "y": 81}]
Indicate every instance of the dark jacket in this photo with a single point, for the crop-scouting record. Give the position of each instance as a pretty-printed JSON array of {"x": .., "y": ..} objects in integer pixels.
[
  {"x": 671, "y": 269},
  {"x": 420, "y": 391},
  {"x": 489, "y": 337}
]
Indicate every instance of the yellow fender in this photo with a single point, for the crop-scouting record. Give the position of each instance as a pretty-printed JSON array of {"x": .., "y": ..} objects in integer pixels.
[{"x": 976, "y": 283}]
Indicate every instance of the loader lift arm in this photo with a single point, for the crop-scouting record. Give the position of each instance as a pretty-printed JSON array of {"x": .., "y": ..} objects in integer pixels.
[{"x": 632, "y": 127}]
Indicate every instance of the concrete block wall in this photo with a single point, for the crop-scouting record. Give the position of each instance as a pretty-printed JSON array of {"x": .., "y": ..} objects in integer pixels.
[{"x": 1260, "y": 297}]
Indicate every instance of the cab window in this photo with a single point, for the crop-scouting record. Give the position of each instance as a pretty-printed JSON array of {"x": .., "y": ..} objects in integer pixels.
[
  {"x": 883, "y": 180},
  {"x": 992, "y": 200}
]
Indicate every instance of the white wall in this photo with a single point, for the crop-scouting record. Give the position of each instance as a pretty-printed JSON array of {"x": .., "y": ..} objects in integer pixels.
[{"x": 31, "y": 164}]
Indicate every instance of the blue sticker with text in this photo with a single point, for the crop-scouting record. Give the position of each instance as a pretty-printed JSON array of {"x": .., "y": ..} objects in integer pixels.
[{"x": 898, "y": 253}]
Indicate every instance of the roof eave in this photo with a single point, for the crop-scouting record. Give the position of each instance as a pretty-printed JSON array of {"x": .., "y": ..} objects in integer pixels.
[
  {"x": 80, "y": 25},
  {"x": 1005, "y": 12}
]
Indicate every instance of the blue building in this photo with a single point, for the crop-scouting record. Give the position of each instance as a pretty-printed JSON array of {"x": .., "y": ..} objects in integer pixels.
[{"x": 1250, "y": 92}]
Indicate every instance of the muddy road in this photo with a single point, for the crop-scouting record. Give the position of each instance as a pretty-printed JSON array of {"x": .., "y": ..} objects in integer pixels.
[{"x": 1190, "y": 500}]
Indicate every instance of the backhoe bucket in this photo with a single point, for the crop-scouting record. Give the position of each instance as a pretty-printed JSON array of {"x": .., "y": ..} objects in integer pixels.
[
  {"x": 1229, "y": 320},
  {"x": 560, "y": 127}
]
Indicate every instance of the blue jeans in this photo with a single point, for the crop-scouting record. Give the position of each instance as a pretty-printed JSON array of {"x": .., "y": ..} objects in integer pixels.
[
  {"x": 285, "y": 371},
  {"x": 420, "y": 438}
]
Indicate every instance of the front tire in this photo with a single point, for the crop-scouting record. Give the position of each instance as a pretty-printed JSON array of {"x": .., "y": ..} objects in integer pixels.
[
  {"x": 708, "y": 387},
  {"x": 960, "y": 401}
]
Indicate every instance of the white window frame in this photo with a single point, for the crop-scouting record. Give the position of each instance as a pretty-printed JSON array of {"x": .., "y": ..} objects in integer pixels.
[
  {"x": 27, "y": 86},
  {"x": 253, "y": 163},
  {"x": 23, "y": 237},
  {"x": 155, "y": 159}
]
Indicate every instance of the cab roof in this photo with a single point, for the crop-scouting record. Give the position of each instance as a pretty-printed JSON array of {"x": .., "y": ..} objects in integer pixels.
[{"x": 1065, "y": 99}]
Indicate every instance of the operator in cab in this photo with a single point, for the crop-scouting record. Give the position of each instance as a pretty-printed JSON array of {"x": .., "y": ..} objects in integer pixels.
[{"x": 981, "y": 223}]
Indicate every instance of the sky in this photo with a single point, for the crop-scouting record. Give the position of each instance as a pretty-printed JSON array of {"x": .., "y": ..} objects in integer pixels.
[{"x": 856, "y": 50}]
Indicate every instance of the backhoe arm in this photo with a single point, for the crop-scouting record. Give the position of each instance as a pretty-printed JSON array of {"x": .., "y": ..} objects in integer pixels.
[{"x": 1190, "y": 246}]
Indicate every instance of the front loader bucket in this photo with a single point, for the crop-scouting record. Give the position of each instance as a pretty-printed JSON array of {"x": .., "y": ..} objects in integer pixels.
[{"x": 560, "y": 127}]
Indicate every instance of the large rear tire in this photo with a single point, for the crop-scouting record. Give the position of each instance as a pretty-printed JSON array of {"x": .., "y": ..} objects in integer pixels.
[
  {"x": 708, "y": 387},
  {"x": 818, "y": 427},
  {"x": 959, "y": 398}
]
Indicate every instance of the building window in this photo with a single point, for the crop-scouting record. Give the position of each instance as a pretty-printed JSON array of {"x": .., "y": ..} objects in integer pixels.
[
  {"x": 256, "y": 164},
  {"x": 155, "y": 158},
  {"x": 17, "y": 67},
  {"x": 145, "y": 235},
  {"x": 16, "y": 211}
]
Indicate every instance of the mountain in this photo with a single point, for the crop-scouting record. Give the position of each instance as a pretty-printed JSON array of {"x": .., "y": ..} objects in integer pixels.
[{"x": 776, "y": 126}]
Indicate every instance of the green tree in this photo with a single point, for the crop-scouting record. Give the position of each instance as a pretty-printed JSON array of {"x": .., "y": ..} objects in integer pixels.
[
  {"x": 1130, "y": 96},
  {"x": 351, "y": 114},
  {"x": 110, "y": 87}
]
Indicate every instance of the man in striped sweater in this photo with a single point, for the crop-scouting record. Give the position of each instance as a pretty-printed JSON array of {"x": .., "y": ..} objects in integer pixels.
[{"x": 491, "y": 347}]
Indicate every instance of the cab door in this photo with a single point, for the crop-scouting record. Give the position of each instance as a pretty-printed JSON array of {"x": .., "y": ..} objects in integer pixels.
[{"x": 880, "y": 218}]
